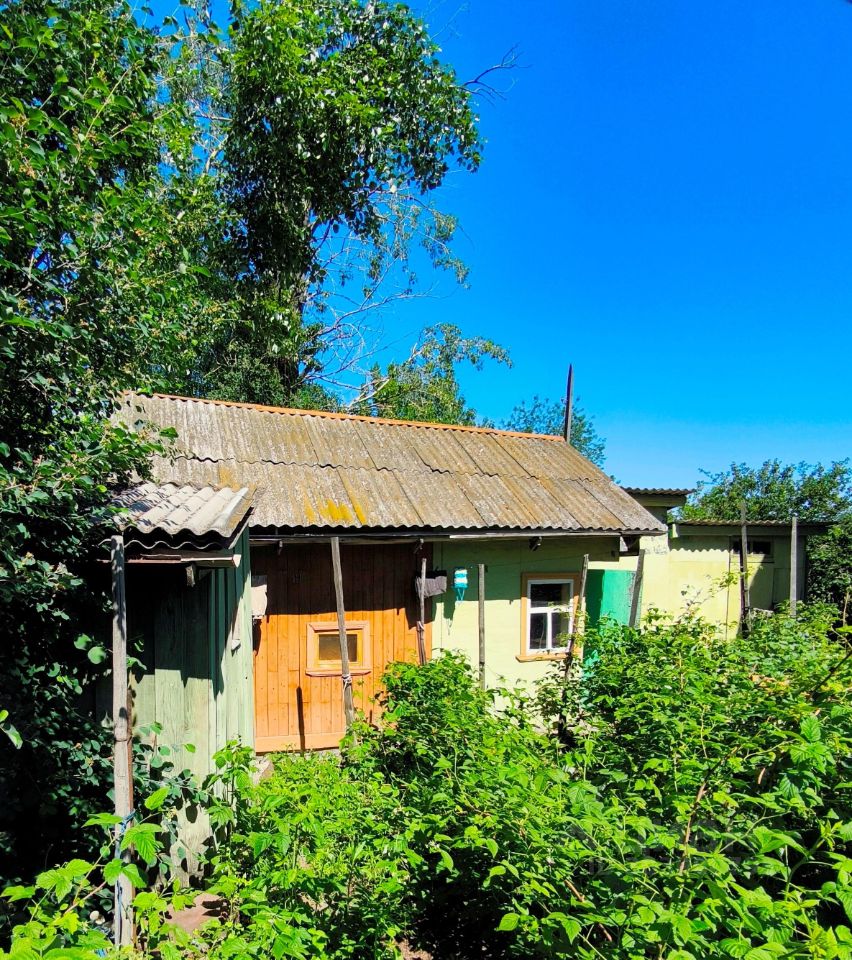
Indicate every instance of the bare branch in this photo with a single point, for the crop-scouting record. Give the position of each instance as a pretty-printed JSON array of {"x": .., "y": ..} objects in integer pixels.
[{"x": 479, "y": 86}]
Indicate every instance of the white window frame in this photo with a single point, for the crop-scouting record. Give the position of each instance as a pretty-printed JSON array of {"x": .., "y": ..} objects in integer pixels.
[{"x": 550, "y": 609}]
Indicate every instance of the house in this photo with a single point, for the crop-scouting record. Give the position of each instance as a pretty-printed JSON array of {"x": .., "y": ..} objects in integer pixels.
[
  {"x": 231, "y": 595},
  {"x": 697, "y": 565}
]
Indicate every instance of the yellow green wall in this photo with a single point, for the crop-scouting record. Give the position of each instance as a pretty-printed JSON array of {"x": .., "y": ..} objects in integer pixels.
[
  {"x": 680, "y": 572},
  {"x": 702, "y": 573},
  {"x": 456, "y": 625}
]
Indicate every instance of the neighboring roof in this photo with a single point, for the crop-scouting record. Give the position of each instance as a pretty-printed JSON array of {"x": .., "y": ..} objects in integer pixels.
[
  {"x": 708, "y": 527},
  {"x": 177, "y": 516},
  {"x": 323, "y": 471},
  {"x": 659, "y": 491}
]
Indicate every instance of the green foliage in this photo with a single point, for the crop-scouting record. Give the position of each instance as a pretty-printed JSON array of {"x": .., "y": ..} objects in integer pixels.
[
  {"x": 174, "y": 208},
  {"x": 424, "y": 387},
  {"x": 548, "y": 416},
  {"x": 775, "y": 492},
  {"x": 727, "y": 765},
  {"x": 92, "y": 276},
  {"x": 339, "y": 120},
  {"x": 703, "y": 809}
]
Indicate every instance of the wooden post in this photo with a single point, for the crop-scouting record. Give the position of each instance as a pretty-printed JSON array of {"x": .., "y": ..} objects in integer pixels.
[
  {"x": 562, "y": 719},
  {"x": 569, "y": 405},
  {"x": 584, "y": 575},
  {"x": 346, "y": 676},
  {"x": 122, "y": 764},
  {"x": 421, "y": 623},
  {"x": 580, "y": 607},
  {"x": 794, "y": 565},
  {"x": 745, "y": 598},
  {"x": 637, "y": 590},
  {"x": 482, "y": 625}
]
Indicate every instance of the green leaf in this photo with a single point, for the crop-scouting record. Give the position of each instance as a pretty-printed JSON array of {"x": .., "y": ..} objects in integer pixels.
[
  {"x": 509, "y": 922},
  {"x": 810, "y": 729},
  {"x": 96, "y": 654},
  {"x": 12, "y": 733},
  {"x": 156, "y": 800},
  {"x": 134, "y": 875},
  {"x": 103, "y": 820},
  {"x": 142, "y": 838}
]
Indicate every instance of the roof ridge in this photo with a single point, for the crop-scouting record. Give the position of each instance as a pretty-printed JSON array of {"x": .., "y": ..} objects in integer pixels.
[{"x": 330, "y": 415}]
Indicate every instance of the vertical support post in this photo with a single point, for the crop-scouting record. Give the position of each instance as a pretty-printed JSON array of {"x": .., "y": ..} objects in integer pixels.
[
  {"x": 569, "y": 405},
  {"x": 421, "y": 622},
  {"x": 581, "y": 599},
  {"x": 636, "y": 593},
  {"x": 562, "y": 719},
  {"x": 482, "y": 625},
  {"x": 794, "y": 565},
  {"x": 122, "y": 769},
  {"x": 578, "y": 615},
  {"x": 745, "y": 598},
  {"x": 346, "y": 676}
]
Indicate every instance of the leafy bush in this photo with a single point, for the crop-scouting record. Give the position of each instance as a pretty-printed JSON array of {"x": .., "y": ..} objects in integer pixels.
[{"x": 703, "y": 809}]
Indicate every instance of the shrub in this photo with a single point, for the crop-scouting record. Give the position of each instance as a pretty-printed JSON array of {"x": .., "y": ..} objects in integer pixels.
[{"x": 702, "y": 810}]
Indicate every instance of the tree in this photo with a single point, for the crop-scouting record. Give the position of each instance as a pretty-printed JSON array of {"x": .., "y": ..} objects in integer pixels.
[
  {"x": 188, "y": 212},
  {"x": 336, "y": 123},
  {"x": 775, "y": 491},
  {"x": 548, "y": 416},
  {"x": 424, "y": 386},
  {"x": 96, "y": 295}
]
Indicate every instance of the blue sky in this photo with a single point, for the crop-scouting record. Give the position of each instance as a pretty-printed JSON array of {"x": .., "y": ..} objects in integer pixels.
[{"x": 666, "y": 202}]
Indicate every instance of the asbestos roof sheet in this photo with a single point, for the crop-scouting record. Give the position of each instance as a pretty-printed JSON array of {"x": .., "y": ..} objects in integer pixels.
[
  {"x": 320, "y": 471},
  {"x": 780, "y": 525},
  {"x": 182, "y": 513},
  {"x": 660, "y": 491}
]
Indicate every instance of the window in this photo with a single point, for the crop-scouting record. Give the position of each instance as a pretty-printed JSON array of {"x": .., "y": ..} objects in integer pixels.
[
  {"x": 756, "y": 548},
  {"x": 324, "y": 648},
  {"x": 549, "y": 602}
]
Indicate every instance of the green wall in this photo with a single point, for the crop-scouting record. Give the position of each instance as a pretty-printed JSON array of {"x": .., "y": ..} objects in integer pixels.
[
  {"x": 194, "y": 679},
  {"x": 455, "y": 625}
]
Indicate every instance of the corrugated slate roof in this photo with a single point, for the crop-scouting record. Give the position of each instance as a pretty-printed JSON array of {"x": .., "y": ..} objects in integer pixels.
[
  {"x": 660, "y": 491},
  {"x": 182, "y": 514},
  {"x": 780, "y": 524},
  {"x": 312, "y": 470}
]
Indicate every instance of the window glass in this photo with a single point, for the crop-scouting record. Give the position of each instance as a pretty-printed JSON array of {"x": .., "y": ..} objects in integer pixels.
[
  {"x": 538, "y": 631},
  {"x": 323, "y": 648},
  {"x": 542, "y": 594},
  {"x": 561, "y": 628},
  {"x": 758, "y": 548},
  {"x": 329, "y": 647}
]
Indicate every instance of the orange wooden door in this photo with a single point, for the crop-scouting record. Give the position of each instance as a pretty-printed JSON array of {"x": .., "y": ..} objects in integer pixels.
[{"x": 298, "y": 692}]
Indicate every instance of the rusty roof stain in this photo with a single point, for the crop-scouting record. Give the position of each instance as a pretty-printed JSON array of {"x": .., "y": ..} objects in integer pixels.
[{"x": 317, "y": 471}]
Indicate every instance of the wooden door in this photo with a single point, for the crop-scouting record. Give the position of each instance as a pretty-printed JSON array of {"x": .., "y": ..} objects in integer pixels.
[{"x": 297, "y": 688}]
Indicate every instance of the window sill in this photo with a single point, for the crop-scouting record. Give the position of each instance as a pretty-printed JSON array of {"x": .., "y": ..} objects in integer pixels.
[{"x": 531, "y": 657}]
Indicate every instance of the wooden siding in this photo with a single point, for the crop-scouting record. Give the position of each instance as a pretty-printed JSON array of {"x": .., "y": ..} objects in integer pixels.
[
  {"x": 294, "y": 710},
  {"x": 194, "y": 677}
]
